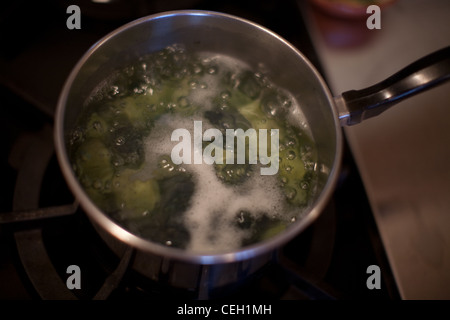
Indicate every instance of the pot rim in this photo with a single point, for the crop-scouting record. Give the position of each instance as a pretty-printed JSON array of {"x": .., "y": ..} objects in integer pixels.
[{"x": 101, "y": 219}]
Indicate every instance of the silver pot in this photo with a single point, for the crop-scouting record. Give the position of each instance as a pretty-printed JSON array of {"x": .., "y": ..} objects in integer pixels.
[{"x": 287, "y": 67}]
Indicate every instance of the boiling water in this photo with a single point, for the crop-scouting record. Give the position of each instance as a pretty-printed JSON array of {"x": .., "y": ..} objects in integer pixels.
[{"x": 121, "y": 150}]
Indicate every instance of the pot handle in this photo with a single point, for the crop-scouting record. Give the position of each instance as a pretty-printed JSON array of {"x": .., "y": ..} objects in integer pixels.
[{"x": 355, "y": 106}]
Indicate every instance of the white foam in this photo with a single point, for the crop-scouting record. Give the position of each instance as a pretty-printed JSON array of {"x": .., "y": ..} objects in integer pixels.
[
  {"x": 215, "y": 205},
  {"x": 208, "y": 85}
]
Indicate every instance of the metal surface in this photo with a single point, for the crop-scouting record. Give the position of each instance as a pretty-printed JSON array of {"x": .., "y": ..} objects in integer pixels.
[
  {"x": 422, "y": 75},
  {"x": 34, "y": 154}
]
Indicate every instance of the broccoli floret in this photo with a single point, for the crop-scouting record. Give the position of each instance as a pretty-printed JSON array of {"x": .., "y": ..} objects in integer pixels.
[
  {"x": 165, "y": 222},
  {"x": 93, "y": 164},
  {"x": 291, "y": 173},
  {"x": 135, "y": 197},
  {"x": 261, "y": 228},
  {"x": 96, "y": 126},
  {"x": 229, "y": 119},
  {"x": 249, "y": 84},
  {"x": 292, "y": 166},
  {"x": 296, "y": 174},
  {"x": 127, "y": 147},
  {"x": 230, "y": 173}
]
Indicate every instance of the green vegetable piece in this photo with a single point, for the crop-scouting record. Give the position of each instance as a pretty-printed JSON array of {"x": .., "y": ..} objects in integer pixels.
[
  {"x": 136, "y": 197},
  {"x": 230, "y": 173},
  {"x": 292, "y": 168},
  {"x": 93, "y": 164},
  {"x": 262, "y": 228},
  {"x": 291, "y": 172},
  {"x": 229, "y": 119},
  {"x": 127, "y": 146},
  {"x": 96, "y": 126},
  {"x": 278, "y": 226},
  {"x": 252, "y": 112},
  {"x": 249, "y": 85},
  {"x": 165, "y": 223}
]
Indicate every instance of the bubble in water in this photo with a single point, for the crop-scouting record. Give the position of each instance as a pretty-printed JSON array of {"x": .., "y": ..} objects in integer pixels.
[
  {"x": 212, "y": 70},
  {"x": 225, "y": 95},
  {"x": 310, "y": 165},
  {"x": 305, "y": 150},
  {"x": 171, "y": 106},
  {"x": 114, "y": 90},
  {"x": 183, "y": 102},
  {"x": 194, "y": 84},
  {"x": 270, "y": 109},
  {"x": 97, "y": 185},
  {"x": 248, "y": 84},
  {"x": 223, "y": 106},
  {"x": 291, "y": 142},
  {"x": 166, "y": 165},
  {"x": 97, "y": 126},
  {"x": 118, "y": 162},
  {"x": 197, "y": 69},
  {"x": 120, "y": 141},
  {"x": 291, "y": 155},
  {"x": 290, "y": 192},
  {"x": 76, "y": 136},
  {"x": 287, "y": 103}
]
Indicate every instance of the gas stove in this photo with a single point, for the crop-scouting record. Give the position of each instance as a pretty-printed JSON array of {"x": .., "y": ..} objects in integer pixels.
[{"x": 43, "y": 231}]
